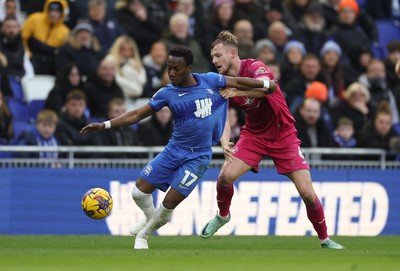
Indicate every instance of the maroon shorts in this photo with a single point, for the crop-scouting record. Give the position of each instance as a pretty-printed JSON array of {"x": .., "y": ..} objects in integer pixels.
[{"x": 285, "y": 152}]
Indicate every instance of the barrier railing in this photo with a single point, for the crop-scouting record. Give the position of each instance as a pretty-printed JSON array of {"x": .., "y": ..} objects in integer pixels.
[{"x": 71, "y": 157}]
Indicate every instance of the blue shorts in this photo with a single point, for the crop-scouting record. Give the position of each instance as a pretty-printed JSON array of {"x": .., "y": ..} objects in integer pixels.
[{"x": 178, "y": 167}]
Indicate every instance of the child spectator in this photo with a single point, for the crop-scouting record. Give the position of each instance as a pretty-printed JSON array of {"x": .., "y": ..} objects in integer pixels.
[
  {"x": 344, "y": 133},
  {"x": 41, "y": 135}
]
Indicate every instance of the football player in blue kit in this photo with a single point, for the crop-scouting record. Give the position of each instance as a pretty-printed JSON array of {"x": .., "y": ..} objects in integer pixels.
[{"x": 200, "y": 116}]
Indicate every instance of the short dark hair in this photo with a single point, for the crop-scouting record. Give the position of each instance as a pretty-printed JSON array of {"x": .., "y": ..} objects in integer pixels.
[
  {"x": 393, "y": 46},
  {"x": 182, "y": 51},
  {"x": 76, "y": 94}
]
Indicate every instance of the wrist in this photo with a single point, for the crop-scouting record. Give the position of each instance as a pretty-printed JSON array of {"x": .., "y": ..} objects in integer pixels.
[
  {"x": 107, "y": 124},
  {"x": 267, "y": 84}
]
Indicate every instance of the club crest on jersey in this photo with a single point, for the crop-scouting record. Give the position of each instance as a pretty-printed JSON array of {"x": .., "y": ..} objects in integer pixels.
[{"x": 261, "y": 70}]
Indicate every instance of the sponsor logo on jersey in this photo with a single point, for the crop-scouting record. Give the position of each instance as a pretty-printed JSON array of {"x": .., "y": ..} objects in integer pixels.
[
  {"x": 261, "y": 70},
  {"x": 203, "y": 108}
]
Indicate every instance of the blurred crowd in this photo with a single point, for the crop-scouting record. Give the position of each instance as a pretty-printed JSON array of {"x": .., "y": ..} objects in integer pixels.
[{"x": 338, "y": 78}]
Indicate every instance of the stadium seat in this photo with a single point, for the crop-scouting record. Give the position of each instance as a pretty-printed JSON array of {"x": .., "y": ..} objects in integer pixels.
[
  {"x": 362, "y": 3},
  {"x": 37, "y": 87},
  {"x": 388, "y": 32},
  {"x": 19, "y": 126},
  {"x": 16, "y": 87},
  {"x": 34, "y": 107},
  {"x": 19, "y": 109}
]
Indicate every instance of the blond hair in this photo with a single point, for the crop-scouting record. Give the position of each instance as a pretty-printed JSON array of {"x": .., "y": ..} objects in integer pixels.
[
  {"x": 47, "y": 116},
  {"x": 114, "y": 52},
  {"x": 226, "y": 38},
  {"x": 94, "y": 42},
  {"x": 357, "y": 87}
]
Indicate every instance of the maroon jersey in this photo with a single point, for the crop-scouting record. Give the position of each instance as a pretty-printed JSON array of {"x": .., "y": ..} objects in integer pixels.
[{"x": 268, "y": 117}]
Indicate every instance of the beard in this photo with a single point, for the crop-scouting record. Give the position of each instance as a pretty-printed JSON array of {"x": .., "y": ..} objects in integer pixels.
[{"x": 313, "y": 26}]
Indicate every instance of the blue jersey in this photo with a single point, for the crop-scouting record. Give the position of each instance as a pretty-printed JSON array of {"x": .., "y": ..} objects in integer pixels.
[{"x": 199, "y": 111}]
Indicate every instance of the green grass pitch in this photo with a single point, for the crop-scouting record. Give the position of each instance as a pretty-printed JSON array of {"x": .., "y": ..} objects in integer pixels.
[{"x": 75, "y": 253}]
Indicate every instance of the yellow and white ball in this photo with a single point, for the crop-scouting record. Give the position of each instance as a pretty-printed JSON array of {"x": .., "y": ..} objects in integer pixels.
[{"x": 97, "y": 203}]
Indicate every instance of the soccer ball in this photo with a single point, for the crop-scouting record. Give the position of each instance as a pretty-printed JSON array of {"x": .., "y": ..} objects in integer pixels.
[{"x": 97, "y": 203}]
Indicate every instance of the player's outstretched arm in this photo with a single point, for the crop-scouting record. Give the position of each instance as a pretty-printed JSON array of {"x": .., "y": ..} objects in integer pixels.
[
  {"x": 126, "y": 119},
  {"x": 250, "y": 83}
]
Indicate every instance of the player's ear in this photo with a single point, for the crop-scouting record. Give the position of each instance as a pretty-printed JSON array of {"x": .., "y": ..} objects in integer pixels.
[
  {"x": 234, "y": 52},
  {"x": 189, "y": 68}
]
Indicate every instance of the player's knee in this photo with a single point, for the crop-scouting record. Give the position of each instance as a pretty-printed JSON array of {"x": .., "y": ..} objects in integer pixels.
[
  {"x": 136, "y": 193},
  {"x": 170, "y": 204},
  {"x": 308, "y": 196},
  {"x": 225, "y": 179}
]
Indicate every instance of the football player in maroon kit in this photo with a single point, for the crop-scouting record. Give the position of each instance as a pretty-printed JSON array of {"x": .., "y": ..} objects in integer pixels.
[{"x": 268, "y": 131}]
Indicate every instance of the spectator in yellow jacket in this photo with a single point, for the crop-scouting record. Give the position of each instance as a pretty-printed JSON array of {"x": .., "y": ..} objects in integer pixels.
[{"x": 43, "y": 33}]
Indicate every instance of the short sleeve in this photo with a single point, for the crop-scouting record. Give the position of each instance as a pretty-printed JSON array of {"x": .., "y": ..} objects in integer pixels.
[
  {"x": 216, "y": 79},
  {"x": 258, "y": 70},
  {"x": 159, "y": 99}
]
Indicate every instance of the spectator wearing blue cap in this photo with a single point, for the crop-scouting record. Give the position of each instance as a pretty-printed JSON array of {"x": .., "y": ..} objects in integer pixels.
[
  {"x": 293, "y": 52},
  {"x": 265, "y": 51},
  {"x": 332, "y": 70}
]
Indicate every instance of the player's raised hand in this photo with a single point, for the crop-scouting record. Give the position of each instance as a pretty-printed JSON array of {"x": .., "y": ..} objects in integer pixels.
[
  {"x": 228, "y": 92},
  {"x": 91, "y": 127},
  {"x": 227, "y": 148}
]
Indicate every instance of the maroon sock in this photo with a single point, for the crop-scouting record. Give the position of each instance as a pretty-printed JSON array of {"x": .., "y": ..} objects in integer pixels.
[
  {"x": 224, "y": 198},
  {"x": 316, "y": 215}
]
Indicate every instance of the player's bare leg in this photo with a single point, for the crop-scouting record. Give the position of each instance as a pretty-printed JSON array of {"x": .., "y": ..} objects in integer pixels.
[
  {"x": 315, "y": 211},
  {"x": 141, "y": 194},
  {"x": 229, "y": 173},
  {"x": 161, "y": 217}
]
